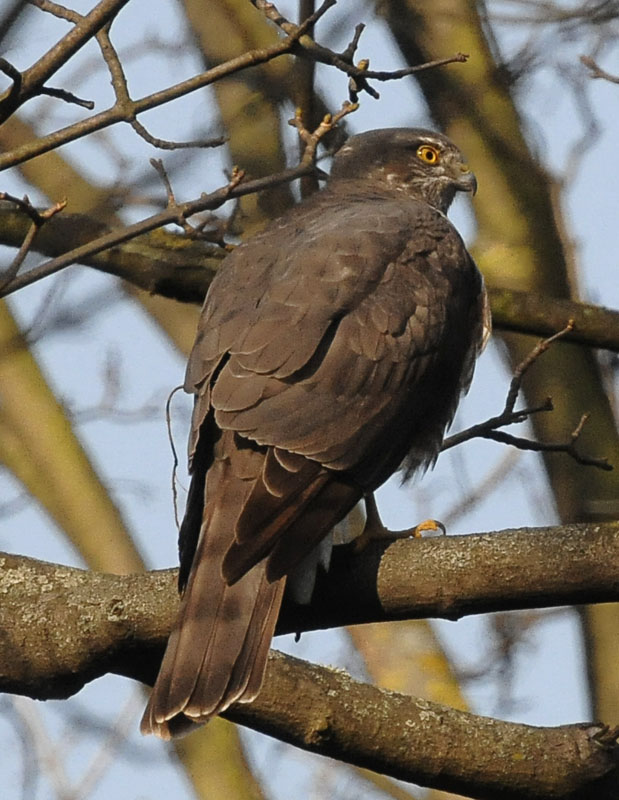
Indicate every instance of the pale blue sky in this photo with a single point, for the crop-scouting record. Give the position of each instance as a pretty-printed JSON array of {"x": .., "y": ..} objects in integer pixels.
[{"x": 544, "y": 694}]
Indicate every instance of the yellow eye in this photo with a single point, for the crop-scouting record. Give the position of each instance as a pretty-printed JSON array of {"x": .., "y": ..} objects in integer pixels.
[{"x": 428, "y": 154}]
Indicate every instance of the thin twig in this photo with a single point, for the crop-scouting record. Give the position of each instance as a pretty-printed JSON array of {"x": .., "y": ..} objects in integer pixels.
[
  {"x": 118, "y": 236},
  {"x": 489, "y": 429},
  {"x": 68, "y": 97},
  {"x": 128, "y": 110},
  {"x": 506, "y": 417},
  {"x": 568, "y": 447},
  {"x": 343, "y": 61},
  {"x": 16, "y": 77},
  {"x": 297, "y": 41},
  {"x": 197, "y": 231},
  {"x": 596, "y": 71},
  {"x": 522, "y": 368},
  {"x": 271, "y": 12},
  {"x": 123, "y": 100},
  {"x": 84, "y": 28},
  {"x": 312, "y": 138},
  {"x": 168, "y": 418},
  {"x": 38, "y": 219},
  {"x": 157, "y": 165},
  {"x": 56, "y": 10},
  {"x": 167, "y": 144},
  {"x": 178, "y": 212}
]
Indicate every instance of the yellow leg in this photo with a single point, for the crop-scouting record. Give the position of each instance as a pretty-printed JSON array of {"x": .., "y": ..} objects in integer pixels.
[{"x": 374, "y": 528}]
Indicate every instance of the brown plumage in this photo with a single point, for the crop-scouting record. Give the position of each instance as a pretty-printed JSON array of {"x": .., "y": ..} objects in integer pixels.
[{"x": 332, "y": 350}]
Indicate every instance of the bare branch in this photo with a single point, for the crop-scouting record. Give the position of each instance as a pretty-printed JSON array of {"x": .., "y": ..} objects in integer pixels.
[
  {"x": 166, "y": 263},
  {"x": 68, "y": 97},
  {"x": 113, "y": 623},
  {"x": 428, "y": 743},
  {"x": 15, "y": 75},
  {"x": 38, "y": 219},
  {"x": 568, "y": 447},
  {"x": 158, "y": 271},
  {"x": 179, "y": 212},
  {"x": 521, "y": 369},
  {"x": 446, "y": 577},
  {"x": 527, "y": 312},
  {"x": 194, "y": 232},
  {"x": 297, "y": 42},
  {"x": 312, "y": 139},
  {"x": 128, "y": 110},
  {"x": 596, "y": 71},
  {"x": 34, "y": 78},
  {"x": 123, "y": 100},
  {"x": 57, "y": 10},
  {"x": 271, "y": 12},
  {"x": 167, "y": 144},
  {"x": 118, "y": 113},
  {"x": 490, "y": 428},
  {"x": 172, "y": 214},
  {"x": 343, "y": 61},
  {"x": 508, "y": 416}
]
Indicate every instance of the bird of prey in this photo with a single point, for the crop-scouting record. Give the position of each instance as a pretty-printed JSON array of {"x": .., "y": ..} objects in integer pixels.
[{"x": 331, "y": 351}]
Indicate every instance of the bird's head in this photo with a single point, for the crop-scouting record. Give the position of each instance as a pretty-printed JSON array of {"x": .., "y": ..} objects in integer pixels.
[{"x": 415, "y": 161}]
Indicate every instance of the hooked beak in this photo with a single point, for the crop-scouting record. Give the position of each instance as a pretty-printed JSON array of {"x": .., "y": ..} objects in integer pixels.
[{"x": 465, "y": 180}]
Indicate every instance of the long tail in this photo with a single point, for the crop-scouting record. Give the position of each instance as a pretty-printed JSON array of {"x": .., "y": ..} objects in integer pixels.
[{"x": 217, "y": 651}]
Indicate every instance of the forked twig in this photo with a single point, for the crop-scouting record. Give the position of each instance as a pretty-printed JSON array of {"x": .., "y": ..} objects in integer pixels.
[
  {"x": 490, "y": 428},
  {"x": 597, "y": 71},
  {"x": 39, "y": 218},
  {"x": 177, "y": 212},
  {"x": 359, "y": 73},
  {"x": 311, "y": 139}
]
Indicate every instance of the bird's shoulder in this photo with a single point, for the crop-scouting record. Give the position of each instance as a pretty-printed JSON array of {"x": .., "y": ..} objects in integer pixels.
[
  {"x": 345, "y": 235},
  {"x": 318, "y": 260}
]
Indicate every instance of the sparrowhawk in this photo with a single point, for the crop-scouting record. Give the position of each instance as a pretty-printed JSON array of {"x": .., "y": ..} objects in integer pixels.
[{"x": 331, "y": 351}]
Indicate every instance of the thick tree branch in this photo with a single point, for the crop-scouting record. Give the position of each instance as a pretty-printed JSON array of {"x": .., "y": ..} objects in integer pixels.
[
  {"x": 160, "y": 262},
  {"x": 62, "y": 627},
  {"x": 527, "y": 312},
  {"x": 429, "y": 743}
]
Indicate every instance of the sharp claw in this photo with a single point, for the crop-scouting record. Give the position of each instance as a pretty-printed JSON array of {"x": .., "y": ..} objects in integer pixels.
[
  {"x": 374, "y": 528},
  {"x": 429, "y": 525}
]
